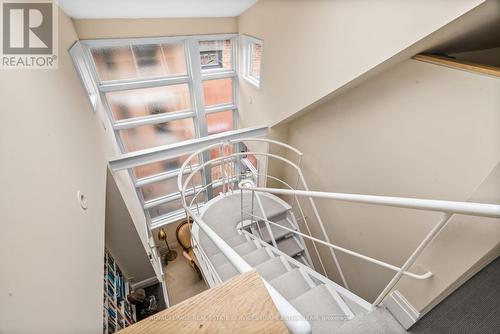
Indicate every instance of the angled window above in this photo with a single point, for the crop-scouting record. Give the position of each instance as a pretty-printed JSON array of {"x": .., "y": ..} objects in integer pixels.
[
  {"x": 162, "y": 91},
  {"x": 139, "y": 61}
]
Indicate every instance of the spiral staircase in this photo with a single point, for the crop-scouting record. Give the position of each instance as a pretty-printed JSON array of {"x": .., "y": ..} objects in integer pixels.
[{"x": 248, "y": 227}]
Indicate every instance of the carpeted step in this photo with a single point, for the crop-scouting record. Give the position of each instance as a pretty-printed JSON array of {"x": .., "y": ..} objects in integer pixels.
[
  {"x": 291, "y": 284},
  {"x": 242, "y": 249},
  {"x": 278, "y": 233},
  {"x": 290, "y": 246},
  {"x": 257, "y": 257},
  {"x": 301, "y": 259},
  {"x": 273, "y": 210},
  {"x": 245, "y": 248},
  {"x": 218, "y": 259},
  {"x": 320, "y": 307},
  {"x": 226, "y": 271},
  {"x": 271, "y": 268},
  {"x": 211, "y": 249}
]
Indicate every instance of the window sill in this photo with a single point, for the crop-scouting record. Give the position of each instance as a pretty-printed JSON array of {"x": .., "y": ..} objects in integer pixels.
[{"x": 252, "y": 81}]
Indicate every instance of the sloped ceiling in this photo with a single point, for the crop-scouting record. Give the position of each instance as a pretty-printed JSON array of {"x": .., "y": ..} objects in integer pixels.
[
  {"x": 340, "y": 44},
  {"x": 478, "y": 29},
  {"x": 99, "y": 9}
]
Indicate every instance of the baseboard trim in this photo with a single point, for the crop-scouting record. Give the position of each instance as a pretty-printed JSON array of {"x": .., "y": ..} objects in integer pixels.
[
  {"x": 401, "y": 309},
  {"x": 477, "y": 267},
  {"x": 146, "y": 282}
]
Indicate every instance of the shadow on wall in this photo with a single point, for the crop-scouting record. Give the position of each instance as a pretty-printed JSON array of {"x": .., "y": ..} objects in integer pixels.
[{"x": 121, "y": 237}]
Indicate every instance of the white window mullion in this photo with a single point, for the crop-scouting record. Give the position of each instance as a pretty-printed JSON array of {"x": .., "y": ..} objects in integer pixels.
[
  {"x": 142, "y": 83},
  {"x": 194, "y": 78},
  {"x": 153, "y": 119},
  {"x": 199, "y": 105},
  {"x": 197, "y": 85}
]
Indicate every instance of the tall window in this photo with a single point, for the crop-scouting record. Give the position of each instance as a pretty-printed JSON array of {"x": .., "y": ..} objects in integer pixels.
[{"x": 160, "y": 91}]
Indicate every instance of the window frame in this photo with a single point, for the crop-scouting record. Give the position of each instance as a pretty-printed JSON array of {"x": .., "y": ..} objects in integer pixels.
[
  {"x": 194, "y": 77},
  {"x": 247, "y": 51}
]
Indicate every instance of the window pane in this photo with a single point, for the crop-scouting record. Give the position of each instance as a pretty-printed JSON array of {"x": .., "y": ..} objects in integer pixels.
[
  {"x": 216, "y": 54},
  {"x": 148, "y": 136},
  {"x": 255, "y": 60},
  {"x": 219, "y": 91},
  {"x": 165, "y": 187},
  {"x": 220, "y": 122},
  {"x": 217, "y": 190},
  {"x": 175, "y": 60},
  {"x": 114, "y": 63},
  {"x": 162, "y": 166},
  {"x": 217, "y": 171},
  {"x": 139, "y": 61},
  {"x": 148, "y": 101}
]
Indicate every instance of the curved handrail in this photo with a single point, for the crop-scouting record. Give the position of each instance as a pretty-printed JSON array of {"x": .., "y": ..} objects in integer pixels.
[
  {"x": 449, "y": 208},
  {"x": 306, "y": 224},
  {"x": 215, "y": 160},
  {"x": 291, "y": 148},
  {"x": 212, "y": 161},
  {"x": 295, "y": 322},
  {"x": 300, "y": 177},
  {"x": 455, "y": 207}
]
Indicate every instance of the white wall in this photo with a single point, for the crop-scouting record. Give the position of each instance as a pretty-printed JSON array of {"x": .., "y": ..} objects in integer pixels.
[
  {"x": 313, "y": 48},
  {"x": 484, "y": 57},
  {"x": 51, "y": 251},
  {"x": 417, "y": 130},
  {"x": 121, "y": 236},
  {"x": 465, "y": 246},
  {"x": 122, "y": 28}
]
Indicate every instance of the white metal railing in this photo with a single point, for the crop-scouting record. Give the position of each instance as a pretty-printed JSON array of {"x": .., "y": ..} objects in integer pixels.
[
  {"x": 344, "y": 250},
  {"x": 238, "y": 155},
  {"x": 295, "y": 322},
  {"x": 449, "y": 208},
  {"x": 463, "y": 208},
  {"x": 311, "y": 272}
]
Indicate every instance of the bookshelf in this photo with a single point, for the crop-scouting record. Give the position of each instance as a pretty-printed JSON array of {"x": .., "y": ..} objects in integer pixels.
[{"x": 118, "y": 313}]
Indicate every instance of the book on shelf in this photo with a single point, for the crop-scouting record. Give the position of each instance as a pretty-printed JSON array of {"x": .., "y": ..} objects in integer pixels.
[{"x": 117, "y": 313}]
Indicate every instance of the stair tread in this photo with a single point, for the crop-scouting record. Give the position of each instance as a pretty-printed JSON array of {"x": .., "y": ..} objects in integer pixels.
[
  {"x": 242, "y": 249},
  {"x": 278, "y": 233},
  {"x": 271, "y": 209},
  {"x": 289, "y": 246},
  {"x": 291, "y": 284},
  {"x": 301, "y": 259},
  {"x": 321, "y": 308},
  {"x": 271, "y": 268},
  {"x": 218, "y": 259},
  {"x": 245, "y": 248},
  {"x": 234, "y": 241},
  {"x": 226, "y": 271},
  {"x": 257, "y": 257}
]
